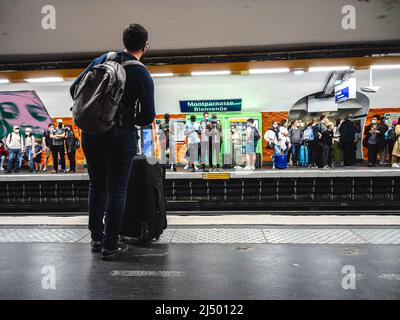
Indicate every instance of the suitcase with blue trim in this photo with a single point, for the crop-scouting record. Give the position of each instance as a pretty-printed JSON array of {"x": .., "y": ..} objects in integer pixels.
[{"x": 303, "y": 155}]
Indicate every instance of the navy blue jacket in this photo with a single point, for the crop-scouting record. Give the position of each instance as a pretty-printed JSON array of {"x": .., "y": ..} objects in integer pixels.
[{"x": 139, "y": 86}]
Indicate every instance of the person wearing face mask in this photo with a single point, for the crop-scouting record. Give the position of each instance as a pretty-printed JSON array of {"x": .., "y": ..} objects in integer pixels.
[
  {"x": 192, "y": 131},
  {"x": 29, "y": 149},
  {"x": 3, "y": 155},
  {"x": 216, "y": 142},
  {"x": 320, "y": 129},
  {"x": 391, "y": 139},
  {"x": 383, "y": 127},
  {"x": 372, "y": 141},
  {"x": 272, "y": 137},
  {"x": 347, "y": 131},
  {"x": 396, "y": 147},
  {"x": 15, "y": 145},
  {"x": 206, "y": 141},
  {"x": 47, "y": 143},
  {"x": 236, "y": 147},
  {"x": 70, "y": 146},
  {"x": 58, "y": 136}
]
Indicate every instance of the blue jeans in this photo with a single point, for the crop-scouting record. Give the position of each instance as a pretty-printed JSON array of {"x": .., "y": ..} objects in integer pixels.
[
  {"x": 29, "y": 155},
  {"x": 14, "y": 153},
  {"x": 277, "y": 150},
  {"x": 2, "y": 160},
  {"x": 295, "y": 153},
  {"x": 109, "y": 158}
]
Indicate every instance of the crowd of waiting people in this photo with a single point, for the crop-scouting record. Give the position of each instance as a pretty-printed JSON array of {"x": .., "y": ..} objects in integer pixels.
[
  {"x": 315, "y": 143},
  {"x": 204, "y": 141},
  {"x": 55, "y": 142},
  {"x": 329, "y": 144},
  {"x": 325, "y": 144}
]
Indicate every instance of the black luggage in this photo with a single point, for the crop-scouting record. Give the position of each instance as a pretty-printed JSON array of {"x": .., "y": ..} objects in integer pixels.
[
  {"x": 145, "y": 212},
  {"x": 258, "y": 163}
]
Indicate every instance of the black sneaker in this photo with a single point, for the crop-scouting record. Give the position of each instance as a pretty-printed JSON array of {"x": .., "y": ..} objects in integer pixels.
[
  {"x": 8, "y": 171},
  {"x": 109, "y": 254},
  {"x": 96, "y": 246}
]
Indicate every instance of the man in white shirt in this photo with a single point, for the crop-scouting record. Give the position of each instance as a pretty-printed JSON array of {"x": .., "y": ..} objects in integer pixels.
[
  {"x": 192, "y": 130},
  {"x": 15, "y": 146}
]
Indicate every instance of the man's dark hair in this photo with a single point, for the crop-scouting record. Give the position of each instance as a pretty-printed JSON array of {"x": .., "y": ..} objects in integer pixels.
[
  {"x": 322, "y": 117},
  {"x": 193, "y": 118},
  {"x": 204, "y": 113},
  {"x": 50, "y": 124},
  {"x": 135, "y": 37},
  {"x": 377, "y": 116},
  {"x": 167, "y": 116},
  {"x": 251, "y": 120}
]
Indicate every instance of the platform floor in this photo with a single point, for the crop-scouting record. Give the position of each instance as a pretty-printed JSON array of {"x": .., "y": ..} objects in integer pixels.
[
  {"x": 205, "y": 262},
  {"x": 265, "y": 172}
]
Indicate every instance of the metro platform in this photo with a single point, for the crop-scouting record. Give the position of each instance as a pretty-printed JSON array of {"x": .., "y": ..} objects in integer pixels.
[
  {"x": 343, "y": 188},
  {"x": 208, "y": 261}
]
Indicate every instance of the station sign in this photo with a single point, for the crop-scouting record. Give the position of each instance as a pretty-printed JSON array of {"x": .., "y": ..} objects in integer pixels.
[
  {"x": 226, "y": 105},
  {"x": 346, "y": 90}
]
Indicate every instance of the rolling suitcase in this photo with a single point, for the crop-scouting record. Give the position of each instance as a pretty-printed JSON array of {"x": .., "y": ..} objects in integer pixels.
[
  {"x": 303, "y": 156},
  {"x": 145, "y": 212},
  {"x": 281, "y": 161}
]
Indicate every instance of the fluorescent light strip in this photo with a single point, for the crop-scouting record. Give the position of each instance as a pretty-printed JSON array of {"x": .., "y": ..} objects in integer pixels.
[
  {"x": 210, "y": 73},
  {"x": 298, "y": 72},
  {"x": 2, "y": 81},
  {"x": 385, "y": 66},
  {"x": 321, "y": 69},
  {"x": 269, "y": 71},
  {"x": 48, "y": 79},
  {"x": 162, "y": 75}
]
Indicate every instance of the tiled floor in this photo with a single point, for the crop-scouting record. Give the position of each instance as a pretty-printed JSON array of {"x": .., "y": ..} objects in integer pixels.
[{"x": 222, "y": 235}]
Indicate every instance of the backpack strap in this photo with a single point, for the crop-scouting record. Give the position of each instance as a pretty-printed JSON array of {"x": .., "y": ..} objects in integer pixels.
[
  {"x": 133, "y": 62},
  {"x": 111, "y": 56}
]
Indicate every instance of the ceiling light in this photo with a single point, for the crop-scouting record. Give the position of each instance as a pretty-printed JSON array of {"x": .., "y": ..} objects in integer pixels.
[
  {"x": 162, "y": 75},
  {"x": 269, "y": 71},
  {"x": 321, "y": 69},
  {"x": 210, "y": 73},
  {"x": 298, "y": 72},
  {"x": 2, "y": 81},
  {"x": 48, "y": 79},
  {"x": 385, "y": 66}
]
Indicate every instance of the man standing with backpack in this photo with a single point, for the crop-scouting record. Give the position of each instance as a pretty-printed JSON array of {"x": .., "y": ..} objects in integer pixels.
[{"x": 110, "y": 146}]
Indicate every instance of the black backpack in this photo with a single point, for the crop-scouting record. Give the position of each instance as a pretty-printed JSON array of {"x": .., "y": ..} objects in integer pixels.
[
  {"x": 98, "y": 95},
  {"x": 391, "y": 135},
  {"x": 256, "y": 134}
]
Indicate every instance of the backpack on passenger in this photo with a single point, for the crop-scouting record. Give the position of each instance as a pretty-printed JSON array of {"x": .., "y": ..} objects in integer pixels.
[
  {"x": 303, "y": 156},
  {"x": 97, "y": 96},
  {"x": 145, "y": 217},
  {"x": 281, "y": 161},
  {"x": 308, "y": 134}
]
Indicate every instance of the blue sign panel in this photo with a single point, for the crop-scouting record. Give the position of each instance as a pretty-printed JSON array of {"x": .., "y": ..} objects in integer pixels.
[
  {"x": 211, "y": 105},
  {"x": 342, "y": 95}
]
